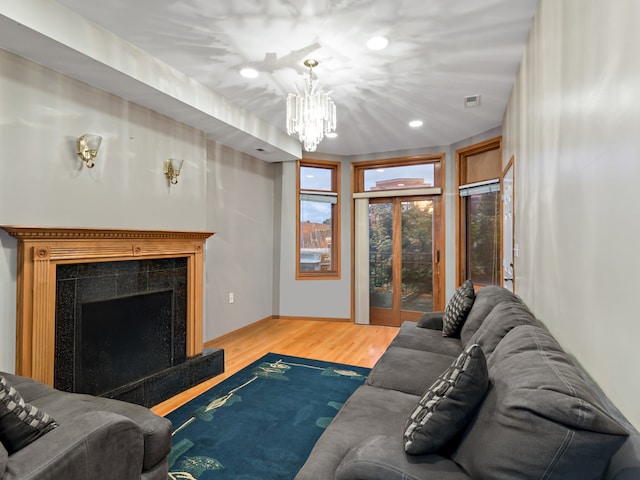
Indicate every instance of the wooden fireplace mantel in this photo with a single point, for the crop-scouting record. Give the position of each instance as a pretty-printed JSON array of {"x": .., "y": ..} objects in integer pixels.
[{"x": 40, "y": 250}]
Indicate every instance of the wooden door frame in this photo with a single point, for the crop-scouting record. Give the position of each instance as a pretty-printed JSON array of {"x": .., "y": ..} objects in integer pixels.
[{"x": 357, "y": 179}]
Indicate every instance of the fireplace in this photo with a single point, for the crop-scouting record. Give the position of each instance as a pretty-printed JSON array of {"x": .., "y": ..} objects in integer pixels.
[{"x": 73, "y": 282}]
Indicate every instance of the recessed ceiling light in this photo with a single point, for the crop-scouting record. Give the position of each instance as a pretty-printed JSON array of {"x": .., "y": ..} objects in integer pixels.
[
  {"x": 331, "y": 135},
  {"x": 415, "y": 123},
  {"x": 249, "y": 73},
  {"x": 378, "y": 43}
]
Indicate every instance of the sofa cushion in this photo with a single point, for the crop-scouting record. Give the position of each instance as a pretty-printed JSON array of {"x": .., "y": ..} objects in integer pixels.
[
  {"x": 501, "y": 320},
  {"x": 539, "y": 419},
  {"x": 448, "y": 404},
  {"x": 367, "y": 413},
  {"x": 486, "y": 299},
  {"x": 457, "y": 309},
  {"x": 382, "y": 458},
  {"x": 408, "y": 370},
  {"x": 427, "y": 340},
  {"x": 20, "y": 422}
]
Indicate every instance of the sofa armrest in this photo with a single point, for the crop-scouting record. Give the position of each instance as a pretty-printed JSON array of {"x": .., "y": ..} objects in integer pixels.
[
  {"x": 99, "y": 444},
  {"x": 382, "y": 457},
  {"x": 432, "y": 320}
]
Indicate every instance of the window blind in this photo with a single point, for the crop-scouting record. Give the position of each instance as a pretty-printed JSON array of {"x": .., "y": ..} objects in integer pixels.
[
  {"x": 478, "y": 188},
  {"x": 324, "y": 197}
]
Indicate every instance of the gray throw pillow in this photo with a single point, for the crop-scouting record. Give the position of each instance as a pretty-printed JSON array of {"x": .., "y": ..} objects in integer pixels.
[
  {"x": 457, "y": 309},
  {"x": 431, "y": 321},
  {"x": 20, "y": 422},
  {"x": 448, "y": 404}
]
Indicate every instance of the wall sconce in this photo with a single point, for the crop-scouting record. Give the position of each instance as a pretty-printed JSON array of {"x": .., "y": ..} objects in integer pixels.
[
  {"x": 172, "y": 169},
  {"x": 88, "y": 145}
]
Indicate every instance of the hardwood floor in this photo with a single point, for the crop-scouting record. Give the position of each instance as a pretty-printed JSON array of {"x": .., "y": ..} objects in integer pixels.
[{"x": 342, "y": 342}]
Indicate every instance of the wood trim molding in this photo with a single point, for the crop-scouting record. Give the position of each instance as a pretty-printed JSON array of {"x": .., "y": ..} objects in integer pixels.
[
  {"x": 45, "y": 233},
  {"x": 40, "y": 250}
]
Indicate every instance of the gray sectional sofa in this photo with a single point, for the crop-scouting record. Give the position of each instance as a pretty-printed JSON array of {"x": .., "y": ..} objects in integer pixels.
[
  {"x": 538, "y": 416},
  {"x": 72, "y": 436}
]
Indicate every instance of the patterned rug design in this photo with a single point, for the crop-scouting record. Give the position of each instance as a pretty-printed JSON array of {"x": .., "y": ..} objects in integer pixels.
[{"x": 262, "y": 422}]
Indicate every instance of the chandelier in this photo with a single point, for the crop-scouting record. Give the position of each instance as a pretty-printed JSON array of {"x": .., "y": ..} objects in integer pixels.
[{"x": 311, "y": 115}]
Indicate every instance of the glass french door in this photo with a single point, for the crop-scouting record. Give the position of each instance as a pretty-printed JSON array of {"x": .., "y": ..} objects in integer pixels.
[{"x": 403, "y": 259}]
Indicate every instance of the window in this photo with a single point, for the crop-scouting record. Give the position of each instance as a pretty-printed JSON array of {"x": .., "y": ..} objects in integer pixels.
[
  {"x": 478, "y": 253},
  {"x": 401, "y": 177},
  {"x": 482, "y": 226},
  {"x": 318, "y": 215}
]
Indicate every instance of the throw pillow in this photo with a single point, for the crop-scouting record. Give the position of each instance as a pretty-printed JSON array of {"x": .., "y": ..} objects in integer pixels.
[
  {"x": 457, "y": 309},
  {"x": 431, "y": 321},
  {"x": 20, "y": 422},
  {"x": 448, "y": 405}
]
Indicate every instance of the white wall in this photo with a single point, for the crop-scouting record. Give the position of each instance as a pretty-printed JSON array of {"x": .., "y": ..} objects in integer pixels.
[
  {"x": 572, "y": 124},
  {"x": 240, "y": 256},
  {"x": 312, "y": 298},
  {"x": 44, "y": 184},
  {"x": 8, "y": 266}
]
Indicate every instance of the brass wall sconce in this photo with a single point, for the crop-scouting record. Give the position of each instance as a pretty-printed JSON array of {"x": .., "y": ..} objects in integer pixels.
[
  {"x": 88, "y": 146},
  {"x": 172, "y": 169}
]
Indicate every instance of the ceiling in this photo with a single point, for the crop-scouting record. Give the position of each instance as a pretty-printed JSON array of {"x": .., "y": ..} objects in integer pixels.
[{"x": 439, "y": 52}]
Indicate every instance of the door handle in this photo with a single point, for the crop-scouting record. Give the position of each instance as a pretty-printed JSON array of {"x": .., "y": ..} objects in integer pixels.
[{"x": 438, "y": 256}]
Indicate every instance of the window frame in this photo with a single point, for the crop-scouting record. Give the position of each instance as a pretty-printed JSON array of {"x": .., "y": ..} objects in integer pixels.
[
  {"x": 462, "y": 158},
  {"x": 334, "y": 272}
]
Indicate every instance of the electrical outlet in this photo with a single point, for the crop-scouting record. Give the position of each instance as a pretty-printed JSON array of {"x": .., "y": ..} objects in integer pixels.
[{"x": 231, "y": 299}]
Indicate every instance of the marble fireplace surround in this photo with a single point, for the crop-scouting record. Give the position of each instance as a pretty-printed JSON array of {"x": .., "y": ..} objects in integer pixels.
[{"x": 41, "y": 249}]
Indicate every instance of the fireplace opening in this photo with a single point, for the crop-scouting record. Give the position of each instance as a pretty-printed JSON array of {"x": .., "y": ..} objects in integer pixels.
[
  {"x": 122, "y": 340},
  {"x": 118, "y": 322}
]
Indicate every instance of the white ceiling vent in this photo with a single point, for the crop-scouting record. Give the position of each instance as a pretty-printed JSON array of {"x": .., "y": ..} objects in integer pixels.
[{"x": 471, "y": 101}]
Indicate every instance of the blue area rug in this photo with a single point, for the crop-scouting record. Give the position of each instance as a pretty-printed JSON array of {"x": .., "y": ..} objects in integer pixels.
[{"x": 262, "y": 422}]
